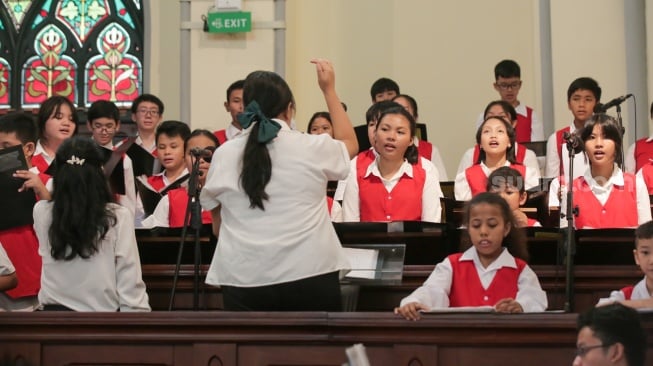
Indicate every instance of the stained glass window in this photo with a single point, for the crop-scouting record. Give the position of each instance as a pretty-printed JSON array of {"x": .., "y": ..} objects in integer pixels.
[{"x": 85, "y": 50}]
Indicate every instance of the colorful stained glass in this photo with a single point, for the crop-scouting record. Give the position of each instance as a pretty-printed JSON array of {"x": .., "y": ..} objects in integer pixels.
[
  {"x": 114, "y": 74},
  {"x": 42, "y": 14},
  {"x": 50, "y": 72},
  {"x": 122, "y": 12},
  {"x": 82, "y": 16},
  {"x": 138, "y": 4},
  {"x": 17, "y": 10},
  {"x": 5, "y": 72}
]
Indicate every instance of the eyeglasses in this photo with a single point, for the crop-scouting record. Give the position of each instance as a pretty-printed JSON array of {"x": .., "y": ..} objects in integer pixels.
[
  {"x": 152, "y": 112},
  {"x": 581, "y": 351},
  {"x": 506, "y": 86},
  {"x": 106, "y": 128}
]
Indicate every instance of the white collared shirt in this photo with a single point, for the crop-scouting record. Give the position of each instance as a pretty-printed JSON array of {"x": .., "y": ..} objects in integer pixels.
[
  {"x": 27, "y": 303},
  {"x": 553, "y": 160},
  {"x": 293, "y": 238},
  {"x": 640, "y": 292},
  {"x": 232, "y": 131},
  {"x": 434, "y": 293},
  {"x": 139, "y": 142},
  {"x": 430, "y": 195},
  {"x": 436, "y": 160},
  {"x": 39, "y": 150}
]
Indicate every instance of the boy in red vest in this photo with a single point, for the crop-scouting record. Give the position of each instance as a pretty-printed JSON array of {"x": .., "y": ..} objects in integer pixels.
[
  {"x": 507, "y": 76},
  {"x": 640, "y": 295},
  {"x": 234, "y": 106},
  {"x": 640, "y": 153}
]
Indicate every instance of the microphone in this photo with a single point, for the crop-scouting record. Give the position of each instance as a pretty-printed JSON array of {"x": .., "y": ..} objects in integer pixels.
[
  {"x": 573, "y": 141},
  {"x": 601, "y": 108},
  {"x": 199, "y": 152}
]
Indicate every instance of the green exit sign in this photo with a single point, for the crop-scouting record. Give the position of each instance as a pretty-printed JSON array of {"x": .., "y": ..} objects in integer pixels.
[{"x": 229, "y": 22}]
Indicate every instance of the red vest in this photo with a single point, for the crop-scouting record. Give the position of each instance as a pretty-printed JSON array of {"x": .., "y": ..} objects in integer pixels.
[
  {"x": 643, "y": 153},
  {"x": 221, "y": 135},
  {"x": 620, "y": 210},
  {"x": 156, "y": 181},
  {"x": 365, "y": 157},
  {"x": 531, "y": 222},
  {"x": 178, "y": 201},
  {"x": 647, "y": 174},
  {"x": 477, "y": 180},
  {"x": 404, "y": 203},
  {"x": 329, "y": 204},
  {"x": 524, "y": 126},
  {"x": 466, "y": 287},
  {"x": 425, "y": 149},
  {"x": 22, "y": 248},
  {"x": 520, "y": 154},
  {"x": 628, "y": 292}
]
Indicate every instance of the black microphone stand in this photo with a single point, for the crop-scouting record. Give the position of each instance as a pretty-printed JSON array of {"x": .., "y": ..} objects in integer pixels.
[
  {"x": 192, "y": 219},
  {"x": 570, "y": 237}
]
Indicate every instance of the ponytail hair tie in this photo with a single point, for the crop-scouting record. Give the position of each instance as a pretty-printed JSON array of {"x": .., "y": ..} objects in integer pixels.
[{"x": 267, "y": 129}]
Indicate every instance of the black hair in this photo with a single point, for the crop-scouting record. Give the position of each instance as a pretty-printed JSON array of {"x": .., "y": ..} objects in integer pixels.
[
  {"x": 505, "y": 176},
  {"x": 651, "y": 112},
  {"x": 510, "y": 153},
  {"x": 52, "y": 106},
  {"x": 411, "y": 155},
  {"x": 507, "y": 69},
  {"x": 515, "y": 241},
  {"x": 383, "y": 85},
  {"x": 411, "y": 101},
  {"x": 147, "y": 98},
  {"x": 173, "y": 129},
  {"x": 81, "y": 196},
  {"x": 22, "y": 124},
  {"x": 375, "y": 110},
  {"x": 103, "y": 109},
  {"x": 584, "y": 83},
  {"x": 610, "y": 129},
  {"x": 273, "y": 96},
  {"x": 644, "y": 231},
  {"x": 616, "y": 323},
  {"x": 236, "y": 85},
  {"x": 317, "y": 115},
  {"x": 202, "y": 132},
  {"x": 507, "y": 109}
]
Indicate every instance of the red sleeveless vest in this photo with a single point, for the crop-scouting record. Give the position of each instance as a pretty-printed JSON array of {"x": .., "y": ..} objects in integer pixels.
[
  {"x": 477, "y": 180},
  {"x": 221, "y": 135},
  {"x": 524, "y": 126},
  {"x": 156, "y": 181},
  {"x": 647, "y": 174},
  {"x": 425, "y": 149},
  {"x": 643, "y": 153},
  {"x": 178, "y": 201},
  {"x": 620, "y": 210},
  {"x": 404, "y": 203},
  {"x": 466, "y": 287},
  {"x": 22, "y": 247}
]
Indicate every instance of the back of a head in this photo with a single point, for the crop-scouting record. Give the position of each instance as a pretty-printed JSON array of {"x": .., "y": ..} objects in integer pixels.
[
  {"x": 103, "y": 109},
  {"x": 508, "y": 109},
  {"x": 507, "y": 69},
  {"x": 81, "y": 194},
  {"x": 616, "y": 323},
  {"x": 173, "y": 129},
  {"x": 383, "y": 85},
  {"x": 505, "y": 176},
  {"x": 22, "y": 124},
  {"x": 269, "y": 90},
  {"x": 584, "y": 83}
]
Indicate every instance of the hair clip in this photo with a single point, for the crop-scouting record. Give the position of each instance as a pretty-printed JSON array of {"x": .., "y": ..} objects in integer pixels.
[{"x": 75, "y": 160}]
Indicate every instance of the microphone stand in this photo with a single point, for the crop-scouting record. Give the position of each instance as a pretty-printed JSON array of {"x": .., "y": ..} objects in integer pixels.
[
  {"x": 192, "y": 218},
  {"x": 570, "y": 237}
]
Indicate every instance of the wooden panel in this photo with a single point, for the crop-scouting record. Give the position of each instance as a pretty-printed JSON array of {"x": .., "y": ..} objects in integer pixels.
[{"x": 94, "y": 354}]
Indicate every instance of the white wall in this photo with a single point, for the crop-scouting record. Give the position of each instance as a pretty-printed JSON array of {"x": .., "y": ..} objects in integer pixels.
[{"x": 441, "y": 52}]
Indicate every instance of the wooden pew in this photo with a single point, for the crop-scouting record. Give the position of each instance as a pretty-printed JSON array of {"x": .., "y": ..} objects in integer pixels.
[{"x": 311, "y": 338}]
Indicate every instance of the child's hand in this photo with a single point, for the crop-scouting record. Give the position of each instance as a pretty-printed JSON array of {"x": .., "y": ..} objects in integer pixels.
[
  {"x": 411, "y": 310},
  {"x": 520, "y": 218},
  {"x": 326, "y": 77},
  {"x": 508, "y": 305},
  {"x": 32, "y": 181}
]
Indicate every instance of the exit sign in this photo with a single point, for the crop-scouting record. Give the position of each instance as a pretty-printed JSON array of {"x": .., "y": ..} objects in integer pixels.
[{"x": 229, "y": 22}]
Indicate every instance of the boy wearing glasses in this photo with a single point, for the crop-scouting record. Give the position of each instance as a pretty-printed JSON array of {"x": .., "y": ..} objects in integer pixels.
[
  {"x": 610, "y": 335},
  {"x": 507, "y": 75},
  {"x": 103, "y": 120},
  {"x": 147, "y": 113}
]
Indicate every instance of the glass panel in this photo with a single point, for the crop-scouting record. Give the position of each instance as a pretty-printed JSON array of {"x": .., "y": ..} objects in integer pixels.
[
  {"x": 17, "y": 10},
  {"x": 82, "y": 16}
]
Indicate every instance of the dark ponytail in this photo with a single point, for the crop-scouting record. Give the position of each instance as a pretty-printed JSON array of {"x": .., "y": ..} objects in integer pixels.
[{"x": 272, "y": 96}]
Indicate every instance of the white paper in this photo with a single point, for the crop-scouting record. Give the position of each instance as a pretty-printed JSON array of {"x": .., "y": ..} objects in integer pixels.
[
  {"x": 462, "y": 309},
  {"x": 363, "y": 262}
]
